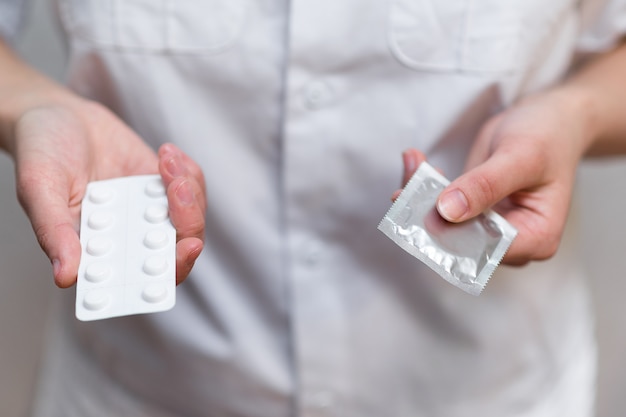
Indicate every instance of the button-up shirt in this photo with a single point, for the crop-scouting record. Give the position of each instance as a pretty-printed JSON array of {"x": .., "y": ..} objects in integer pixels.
[{"x": 298, "y": 112}]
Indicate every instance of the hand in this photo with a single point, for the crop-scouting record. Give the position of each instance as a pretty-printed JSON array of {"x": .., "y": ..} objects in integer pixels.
[
  {"x": 523, "y": 164},
  {"x": 58, "y": 149}
]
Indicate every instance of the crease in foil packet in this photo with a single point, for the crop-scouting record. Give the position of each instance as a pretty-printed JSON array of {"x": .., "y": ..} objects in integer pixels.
[{"x": 465, "y": 254}]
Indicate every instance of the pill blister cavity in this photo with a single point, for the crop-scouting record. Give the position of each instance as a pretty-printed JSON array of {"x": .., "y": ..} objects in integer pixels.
[
  {"x": 154, "y": 293},
  {"x": 97, "y": 272},
  {"x": 96, "y": 300},
  {"x": 155, "y": 239},
  {"x": 155, "y": 188},
  {"x": 157, "y": 213},
  {"x": 100, "y": 220},
  {"x": 155, "y": 265},
  {"x": 101, "y": 194},
  {"x": 99, "y": 246}
]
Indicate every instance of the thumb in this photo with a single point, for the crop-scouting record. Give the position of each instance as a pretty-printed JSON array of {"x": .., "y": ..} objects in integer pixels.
[
  {"x": 55, "y": 228},
  {"x": 477, "y": 190}
]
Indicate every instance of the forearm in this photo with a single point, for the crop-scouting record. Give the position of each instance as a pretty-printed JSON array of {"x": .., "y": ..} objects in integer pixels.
[
  {"x": 597, "y": 95},
  {"x": 22, "y": 88}
]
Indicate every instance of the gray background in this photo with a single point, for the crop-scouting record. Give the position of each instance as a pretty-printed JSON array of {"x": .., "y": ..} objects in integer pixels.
[{"x": 27, "y": 292}]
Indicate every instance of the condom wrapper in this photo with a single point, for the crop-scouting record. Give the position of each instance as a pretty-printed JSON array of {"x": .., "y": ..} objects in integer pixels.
[{"x": 465, "y": 254}]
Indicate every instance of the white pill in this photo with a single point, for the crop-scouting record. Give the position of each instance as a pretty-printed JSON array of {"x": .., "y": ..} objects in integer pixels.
[
  {"x": 100, "y": 220},
  {"x": 96, "y": 300},
  {"x": 101, "y": 194},
  {"x": 156, "y": 213},
  {"x": 97, "y": 272},
  {"x": 154, "y": 293},
  {"x": 155, "y": 188},
  {"x": 98, "y": 246},
  {"x": 155, "y": 265},
  {"x": 155, "y": 239}
]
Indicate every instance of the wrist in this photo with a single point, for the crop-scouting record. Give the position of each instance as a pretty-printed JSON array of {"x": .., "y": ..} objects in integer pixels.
[
  {"x": 22, "y": 88},
  {"x": 580, "y": 111},
  {"x": 19, "y": 98},
  {"x": 598, "y": 89}
]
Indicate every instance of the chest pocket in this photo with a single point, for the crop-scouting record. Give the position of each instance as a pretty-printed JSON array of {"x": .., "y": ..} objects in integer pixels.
[
  {"x": 159, "y": 26},
  {"x": 469, "y": 35}
]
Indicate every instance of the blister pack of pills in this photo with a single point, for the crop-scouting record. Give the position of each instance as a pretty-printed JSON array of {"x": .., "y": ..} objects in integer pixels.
[
  {"x": 465, "y": 254},
  {"x": 128, "y": 262}
]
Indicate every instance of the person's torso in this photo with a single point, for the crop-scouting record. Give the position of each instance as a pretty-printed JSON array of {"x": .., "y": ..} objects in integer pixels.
[{"x": 298, "y": 113}]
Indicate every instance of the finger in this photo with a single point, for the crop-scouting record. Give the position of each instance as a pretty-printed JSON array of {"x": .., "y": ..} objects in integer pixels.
[
  {"x": 173, "y": 163},
  {"x": 54, "y": 225},
  {"x": 487, "y": 184},
  {"x": 411, "y": 159},
  {"x": 187, "y": 251},
  {"x": 540, "y": 223},
  {"x": 187, "y": 205},
  {"x": 395, "y": 195},
  {"x": 528, "y": 245},
  {"x": 186, "y": 213},
  {"x": 188, "y": 165}
]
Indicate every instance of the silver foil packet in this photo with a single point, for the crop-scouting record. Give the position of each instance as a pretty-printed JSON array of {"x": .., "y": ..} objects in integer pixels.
[{"x": 465, "y": 254}]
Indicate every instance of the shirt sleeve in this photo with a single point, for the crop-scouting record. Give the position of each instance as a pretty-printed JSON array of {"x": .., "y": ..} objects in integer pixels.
[
  {"x": 603, "y": 24},
  {"x": 11, "y": 18}
]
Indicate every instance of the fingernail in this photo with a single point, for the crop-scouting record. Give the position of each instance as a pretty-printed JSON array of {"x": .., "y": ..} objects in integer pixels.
[
  {"x": 184, "y": 193},
  {"x": 167, "y": 148},
  {"x": 174, "y": 166},
  {"x": 453, "y": 205}
]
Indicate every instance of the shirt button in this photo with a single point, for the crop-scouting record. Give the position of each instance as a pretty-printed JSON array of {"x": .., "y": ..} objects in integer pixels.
[{"x": 317, "y": 94}]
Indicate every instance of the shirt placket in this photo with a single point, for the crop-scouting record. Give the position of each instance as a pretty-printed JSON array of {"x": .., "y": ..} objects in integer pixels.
[{"x": 318, "y": 313}]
